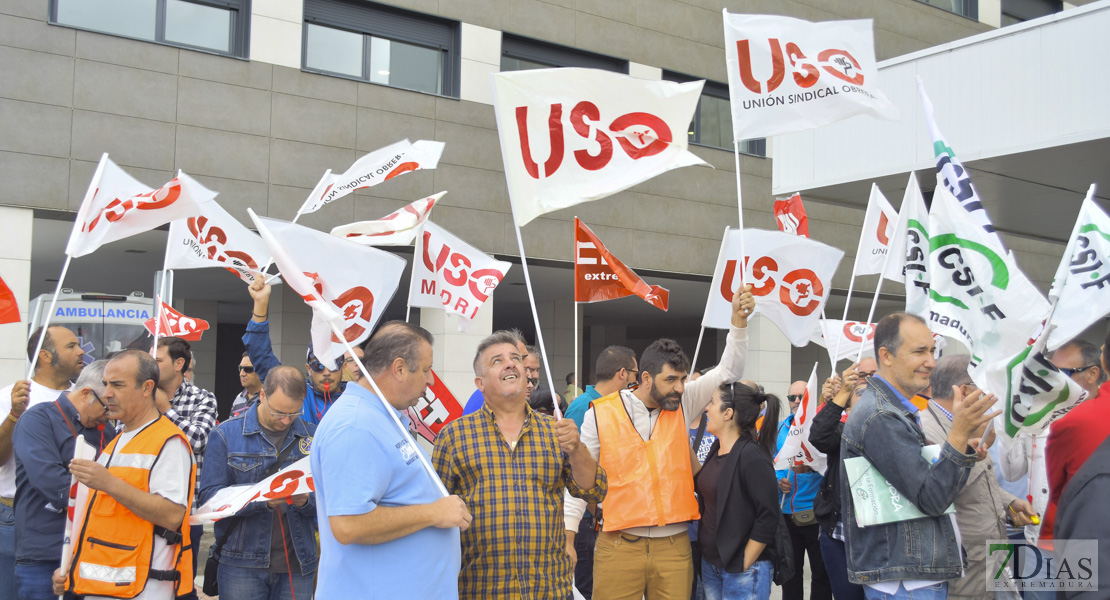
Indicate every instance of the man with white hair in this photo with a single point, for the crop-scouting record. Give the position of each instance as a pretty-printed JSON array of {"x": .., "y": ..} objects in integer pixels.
[{"x": 44, "y": 441}]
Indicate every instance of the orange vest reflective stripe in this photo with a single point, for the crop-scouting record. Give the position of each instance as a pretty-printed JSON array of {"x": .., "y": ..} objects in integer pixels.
[
  {"x": 650, "y": 483},
  {"x": 113, "y": 555}
]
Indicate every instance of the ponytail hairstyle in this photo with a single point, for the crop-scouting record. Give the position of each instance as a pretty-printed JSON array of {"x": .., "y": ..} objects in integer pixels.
[{"x": 746, "y": 404}]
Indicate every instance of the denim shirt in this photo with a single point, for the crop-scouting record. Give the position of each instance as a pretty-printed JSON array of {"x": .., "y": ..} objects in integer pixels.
[
  {"x": 238, "y": 453},
  {"x": 884, "y": 431}
]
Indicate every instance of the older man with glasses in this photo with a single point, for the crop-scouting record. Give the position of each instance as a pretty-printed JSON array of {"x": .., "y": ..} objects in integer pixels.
[
  {"x": 44, "y": 440},
  {"x": 324, "y": 384},
  {"x": 274, "y": 555}
]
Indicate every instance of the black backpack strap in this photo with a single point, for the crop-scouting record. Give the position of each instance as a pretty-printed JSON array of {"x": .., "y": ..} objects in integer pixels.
[{"x": 701, "y": 431}]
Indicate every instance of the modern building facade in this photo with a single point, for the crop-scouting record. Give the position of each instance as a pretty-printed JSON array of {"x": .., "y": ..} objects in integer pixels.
[{"x": 257, "y": 98}]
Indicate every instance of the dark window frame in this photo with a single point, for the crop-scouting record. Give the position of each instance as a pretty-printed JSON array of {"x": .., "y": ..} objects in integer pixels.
[
  {"x": 239, "y": 32},
  {"x": 371, "y": 19},
  {"x": 754, "y": 147},
  {"x": 556, "y": 55},
  {"x": 971, "y": 9}
]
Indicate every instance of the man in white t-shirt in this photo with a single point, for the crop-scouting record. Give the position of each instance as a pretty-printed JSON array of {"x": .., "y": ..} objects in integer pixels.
[
  {"x": 144, "y": 476},
  {"x": 60, "y": 362}
]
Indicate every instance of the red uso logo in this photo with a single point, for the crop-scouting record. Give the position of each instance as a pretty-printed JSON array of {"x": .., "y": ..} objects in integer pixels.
[
  {"x": 800, "y": 290},
  {"x": 838, "y": 63},
  {"x": 651, "y": 135},
  {"x": 153, "y": 200},
  {"x": 213, "y": 239},
  {"x": 357, "y": 307},
  {"x": 456, "y": 268},
  {"x": 857, "y": 332}
]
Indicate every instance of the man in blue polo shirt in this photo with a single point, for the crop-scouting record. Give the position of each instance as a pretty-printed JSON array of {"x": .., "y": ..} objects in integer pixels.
[
  {"x": 615, "y": 369},
  {"x": 386, "y": 531}
]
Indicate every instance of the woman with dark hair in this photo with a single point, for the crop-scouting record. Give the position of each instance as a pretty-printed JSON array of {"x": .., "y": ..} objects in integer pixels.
[{"x": 737, "y": 494}]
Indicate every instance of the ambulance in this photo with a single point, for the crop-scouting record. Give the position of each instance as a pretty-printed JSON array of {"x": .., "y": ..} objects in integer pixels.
[{"x": 104, "y": 323}]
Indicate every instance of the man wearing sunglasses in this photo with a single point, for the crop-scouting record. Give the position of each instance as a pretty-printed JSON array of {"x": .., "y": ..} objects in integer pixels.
[
  {"x": 44, "y": 441},
  {"x": 252, "y": 385},
  {"x": 276, "y": 544},
  {"x": 324, "y": 385}
]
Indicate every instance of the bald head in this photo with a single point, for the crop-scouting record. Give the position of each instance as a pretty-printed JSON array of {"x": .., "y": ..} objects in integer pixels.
[
  {"x": 868, "y": 366},
  {"x": 795, "y": 393}
]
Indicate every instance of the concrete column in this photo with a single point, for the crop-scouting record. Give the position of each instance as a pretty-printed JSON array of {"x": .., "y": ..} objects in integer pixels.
[
  {"x": 204, "y": 350},
  {"x": 453, "y": 351},
  {"x": 15, "y": 270}
]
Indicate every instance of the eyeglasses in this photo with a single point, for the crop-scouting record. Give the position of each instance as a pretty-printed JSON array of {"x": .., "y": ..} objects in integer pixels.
[
  {"x": 280, "y": 415},
  {"x": 247, "y": 370},
  {"x": 1069, "y": 372},
  {"x": 97, "y": 396},
  {"x": 317, "y": 366},
  {"x": 794, "y": 397},
  {"x": 634, "y": 372}
]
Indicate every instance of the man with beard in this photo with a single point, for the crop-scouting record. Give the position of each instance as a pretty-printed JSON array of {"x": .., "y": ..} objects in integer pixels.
[
  {"x": 644, "y": 548},
  {"x": 324, "y": 384},
  {"x": 60, "y": 361}
]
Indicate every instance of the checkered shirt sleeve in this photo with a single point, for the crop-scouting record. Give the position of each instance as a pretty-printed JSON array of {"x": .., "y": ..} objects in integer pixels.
[
  {"x": 194, "y": 411},
  {"x": 516, "y": 544}
]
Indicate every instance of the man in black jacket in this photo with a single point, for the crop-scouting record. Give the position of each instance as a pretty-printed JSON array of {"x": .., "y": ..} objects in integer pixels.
[
  {"x": 838, "y": 393},
  {"x": 1081, "y": 514}
]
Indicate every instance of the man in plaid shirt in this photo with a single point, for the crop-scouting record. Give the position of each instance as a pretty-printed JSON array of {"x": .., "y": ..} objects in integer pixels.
[
  {"x": 510, "y": 465},
  {"x": 189, "y": 407}
]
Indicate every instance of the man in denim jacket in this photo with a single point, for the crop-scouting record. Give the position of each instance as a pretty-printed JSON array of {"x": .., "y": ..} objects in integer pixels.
[
  {"x": 273, "y": 544},
  {"x": 908, "y": 558}
]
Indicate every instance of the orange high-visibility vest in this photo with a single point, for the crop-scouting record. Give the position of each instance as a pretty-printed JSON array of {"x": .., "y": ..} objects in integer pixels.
[
  {"x": 650, "y": 482},
  {"x": 113, "y": 555}
]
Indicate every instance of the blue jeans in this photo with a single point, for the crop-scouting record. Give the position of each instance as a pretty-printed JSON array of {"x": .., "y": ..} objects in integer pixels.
[
  {"x": 937, "y": 591},
  {"x": 259, "y": 584},
  {"x": 753, "y": 584},
  {"x": 836, "y": 565},
  {"x": 7, "y": 552},
  {"x": 35, "y": 579}
]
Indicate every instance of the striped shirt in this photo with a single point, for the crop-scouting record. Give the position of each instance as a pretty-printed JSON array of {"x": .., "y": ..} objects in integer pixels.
[{"x": 516, "y": 544}]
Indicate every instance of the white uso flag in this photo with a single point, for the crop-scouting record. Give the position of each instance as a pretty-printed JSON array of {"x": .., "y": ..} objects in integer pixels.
[
  {"x": 453, "y": 275},
  {"x": 379, "y": 166},
  {"x": 787, "y": 75},
  {"x": 318, "y": 267},
  {"x": 846, "y": 335},
  {"x": 797, "y": 450},
  {"x": 977, "y": 293},
  {"x": 874, "y": 240},
  {"x": 1081, "y": 288},
  {"x": 573, "y": 135},
  {"x": 791, "y": 277},
  {"x": 214, "y": 238},
  {"x": 398, "y": 228},
  {"x": 117, "y": 206}
]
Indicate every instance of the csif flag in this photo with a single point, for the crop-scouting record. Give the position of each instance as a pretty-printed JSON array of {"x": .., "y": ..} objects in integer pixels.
[
  {"x": 573, "y": 135},
  {"x": 909, "y": 248},
  {"x": 117, "y": 206},
  {"x": 791, "y": 277},
  {"x": 398, "y": 228},
  {"x": 377, "y": 167},
  {"x": 788, "y": 75},
  {"x": 790, "y": 216},
  {"x": 214, "y": 238},
  {"x": 317, "y": 266},
  {"x": 874, "y": 240},
  {"x": 600, "y": 276},
  {"x": 952, "y": 174},
  {"x": 453, "y": 275},
  {"x": 175, "y": 324},
  {"x": 1081, "y": 288},
  {"x": 797, "y": 450}
]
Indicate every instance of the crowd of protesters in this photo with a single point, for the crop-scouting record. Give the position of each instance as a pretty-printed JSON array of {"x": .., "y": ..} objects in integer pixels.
[{"x": 655, "y": 483}]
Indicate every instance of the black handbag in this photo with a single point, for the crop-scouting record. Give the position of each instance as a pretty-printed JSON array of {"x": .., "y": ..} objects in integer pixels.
[
  {"x": 784, "y": 554},
  {"x": 211, "y": 585}
]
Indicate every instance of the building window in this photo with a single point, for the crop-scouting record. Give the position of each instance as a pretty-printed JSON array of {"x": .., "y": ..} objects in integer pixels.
[
  {"x": 712, "y": 124},
  {"x": 966, "y": 8},
  {"x": 521, "y": 53},
  {"x": 214, "y": 25},
  {"x": 382, "y": 44},
  {"x": 1019, "y": 11}
]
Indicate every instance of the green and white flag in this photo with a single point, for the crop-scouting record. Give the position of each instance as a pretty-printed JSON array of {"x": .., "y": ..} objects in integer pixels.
[
  {"x": 977, "y": 293},
  {"x": 909, "y": 249},
  {"x": 1081, "y": 288},
  {"x": 952, "y": 174}
]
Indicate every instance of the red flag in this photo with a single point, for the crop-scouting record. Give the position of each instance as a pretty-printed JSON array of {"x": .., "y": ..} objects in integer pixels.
[
  {"x": 790, "y": 216},
  {"x": 175, "y": 324},
  {"x": 435, "y": 409},
  {"x": 9, "y": 310},
  {"x": 598, "y": 275}
]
